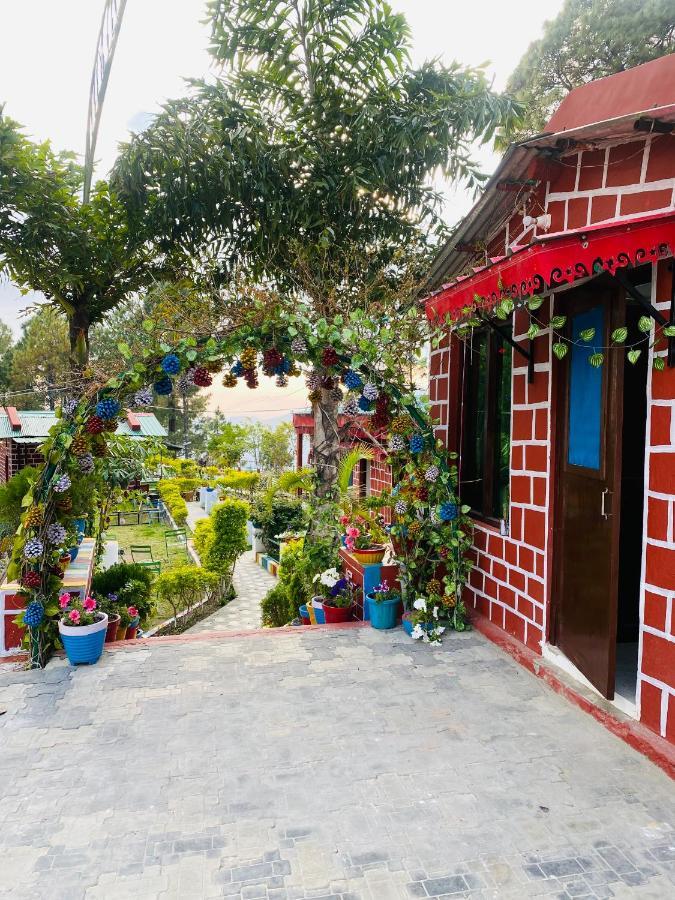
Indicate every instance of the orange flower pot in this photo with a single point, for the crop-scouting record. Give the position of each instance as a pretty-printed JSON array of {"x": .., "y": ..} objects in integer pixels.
[{"x": 370, "y": 556}]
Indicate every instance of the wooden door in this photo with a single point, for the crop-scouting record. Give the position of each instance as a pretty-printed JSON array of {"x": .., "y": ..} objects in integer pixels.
[{"x": 585, "y": 605}]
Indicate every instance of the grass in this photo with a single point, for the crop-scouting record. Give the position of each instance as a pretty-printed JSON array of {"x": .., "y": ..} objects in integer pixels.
[{"x": 152, "y": 536}]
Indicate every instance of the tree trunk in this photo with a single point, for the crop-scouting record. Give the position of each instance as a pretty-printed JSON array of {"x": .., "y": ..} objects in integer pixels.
[
  {"x": 326, "y": 444},
  {"x": 78, "y": 330}
]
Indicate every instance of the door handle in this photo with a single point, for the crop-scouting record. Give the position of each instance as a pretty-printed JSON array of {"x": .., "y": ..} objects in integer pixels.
[{"x": 603, "y": 509}]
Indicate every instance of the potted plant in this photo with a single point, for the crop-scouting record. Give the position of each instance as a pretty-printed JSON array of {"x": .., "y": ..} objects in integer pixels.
[
  {"x": 338, "y": 600},
  {"x": 109, "y": 606},
  {"x": 132, "y": 627},
  {"x": 383, "y": 605},
  {"x": 422, "y": 621},
  {"x": 125, "y": 621},
  {"x": 366, "y": 540},
  {"x": 82, "y": 628}
]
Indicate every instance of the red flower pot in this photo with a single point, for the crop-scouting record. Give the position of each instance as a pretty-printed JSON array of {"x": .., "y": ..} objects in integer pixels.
[
  {"x": 111, "y": 630},
  {"x": 131, "y": 632},
  {"x": 335, "y": 614}
]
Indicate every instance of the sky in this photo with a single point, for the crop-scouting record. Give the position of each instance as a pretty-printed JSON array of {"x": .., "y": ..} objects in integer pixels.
[{"x": 46, "y": 56}]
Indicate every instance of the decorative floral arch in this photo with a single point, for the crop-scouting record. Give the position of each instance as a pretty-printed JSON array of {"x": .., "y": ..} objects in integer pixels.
[{"x": 424, "y": 499}]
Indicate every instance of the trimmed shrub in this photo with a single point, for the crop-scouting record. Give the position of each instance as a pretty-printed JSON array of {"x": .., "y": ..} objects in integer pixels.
[
  {"x": 229, "y": 536},
  {"x": 169, "y": 491},
  {"x": 280, "y": 516},
  {"x": 243, "y": 482},
  {"x": 203, "y": 538},
  {"x": 185, "y": 586},
  {"x": 276, "y": 608}
]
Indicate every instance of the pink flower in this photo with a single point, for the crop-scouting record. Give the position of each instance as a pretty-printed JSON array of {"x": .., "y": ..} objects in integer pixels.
[
  {"x": 344, "y": 520},
  {"x": 74, "y": 616},
  {"x": 349, "y": 544},
  {"x": 64, "y": 600},
  {"x": 89, "y": 604},
  {"x": 133, "y": 612},
  {"x": 352, "y": 532}
]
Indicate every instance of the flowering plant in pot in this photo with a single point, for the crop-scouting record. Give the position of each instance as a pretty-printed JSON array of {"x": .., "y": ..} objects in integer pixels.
[
  {"x": 365, "y": 538},
  {"x": 82, "y": 627},
  {"x": 109, "y": 606},
  {"x": 384, "y": 603},
  {"x": 124, "y": 623},
  {"x": 337, "y": 596},
  {"x": 134, "y": 620},
  {"x": 422, "y": 623}
]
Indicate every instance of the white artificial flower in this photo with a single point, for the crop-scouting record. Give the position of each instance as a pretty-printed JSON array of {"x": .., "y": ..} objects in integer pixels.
[
  {"x": 420, "y": 603},
  {"x": 417, "y": 633},
  {"x": 330, "y": 577},
  {"x": 440, "y": 629},
  {"x": 435, "y": 612}
]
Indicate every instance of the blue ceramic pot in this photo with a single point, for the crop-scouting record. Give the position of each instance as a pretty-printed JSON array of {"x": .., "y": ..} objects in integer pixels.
[
  {"x": 383, "y": 615},
  {"x": 318, "y": 611},
  {"x": 83, "y": 644},
  {"x": 73, "y": 553}
]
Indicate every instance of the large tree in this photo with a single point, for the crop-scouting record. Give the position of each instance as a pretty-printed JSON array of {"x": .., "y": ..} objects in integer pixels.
[
  {"x": 309, "y": 162},
  {"x": 588, "y": 39},
  {"x": 6, "y": 348},
  {"x": 40, "y": 372},
  {"x": 84, "y": 258}
]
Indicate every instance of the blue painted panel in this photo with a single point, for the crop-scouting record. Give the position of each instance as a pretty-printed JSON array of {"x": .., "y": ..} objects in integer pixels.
[
  {"x": 371, "y": 578},
  {"x": 585, "y": 412}
]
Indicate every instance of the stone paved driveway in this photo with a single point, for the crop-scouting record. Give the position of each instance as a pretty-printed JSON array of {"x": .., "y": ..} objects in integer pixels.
[{"x": 343, "y": 764}]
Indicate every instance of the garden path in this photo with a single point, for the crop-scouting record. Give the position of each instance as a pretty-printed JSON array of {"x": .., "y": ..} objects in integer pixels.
[
  {"x": 251, "y": 583},
  {"x": 296, "y": 763}
]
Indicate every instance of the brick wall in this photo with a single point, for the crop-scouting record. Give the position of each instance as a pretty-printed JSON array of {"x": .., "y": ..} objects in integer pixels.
[
  {"x": 508, "y": 582},
  {"x": 622, "y": 179},
  {"x": 14, "y": 457},
  {"x": 657, "y": 632}
]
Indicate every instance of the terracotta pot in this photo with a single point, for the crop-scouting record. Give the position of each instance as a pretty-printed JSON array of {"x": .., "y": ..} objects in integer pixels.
[
  {"x": 131, "y": 633},
  {"x": 121, "y": 632},
  {"x": 336, "y": 614},
  {"x": 111, "y": 631},
  {"x": 370, "y": 556}
]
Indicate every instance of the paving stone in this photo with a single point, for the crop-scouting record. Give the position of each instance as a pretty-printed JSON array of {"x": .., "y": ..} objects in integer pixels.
[{"x": 304, "y": 765}]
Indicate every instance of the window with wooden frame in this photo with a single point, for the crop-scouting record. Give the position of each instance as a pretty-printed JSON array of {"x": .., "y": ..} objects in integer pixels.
[{"x": 486, "y": 425}]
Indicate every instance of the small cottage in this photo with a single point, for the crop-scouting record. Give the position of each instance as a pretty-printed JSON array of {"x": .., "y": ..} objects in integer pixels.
[
  {"x": 562, "y": 409},
  {"x": 22, "y": 432}
]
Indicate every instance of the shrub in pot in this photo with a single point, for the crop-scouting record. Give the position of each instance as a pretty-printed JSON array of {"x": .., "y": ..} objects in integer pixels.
[
  {"x": 82, "y": 629},
  {"x": 365, "y": 539},
  {"x": 123, "y": 626},
  {"x": 127, "y": 584},
  {"x": 132, "y": 628}
]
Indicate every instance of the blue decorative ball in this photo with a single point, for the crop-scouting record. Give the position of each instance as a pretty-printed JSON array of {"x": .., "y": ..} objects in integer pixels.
[
  {"x": 286, "y": 365},
  {"x": 416, "y": 443},
  {"x": 164, "y": 386},
  {"x": 33, "y": 614},
  {"x": 107, "y": 409},
  {"x": 237, "y": 369},
  {"x": 448, "y": 512},
  {"x": 352, "y": 380},
  {"x": 364, "y": 404},
  {"x": 171, "y": 364}
]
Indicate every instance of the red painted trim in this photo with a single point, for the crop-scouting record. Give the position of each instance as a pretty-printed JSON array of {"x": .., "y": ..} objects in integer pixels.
[
  {"x": 558, "y": 259},
  {"x": 637, "y": 736},
  {"x": 14, "y": 418}
]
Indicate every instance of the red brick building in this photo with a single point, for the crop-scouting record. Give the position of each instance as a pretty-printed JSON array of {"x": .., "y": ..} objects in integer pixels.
[
  {"x": 370, "y": 476},
  {"x": 569, "y": 468},
  {"x": 22, "y": 432}
]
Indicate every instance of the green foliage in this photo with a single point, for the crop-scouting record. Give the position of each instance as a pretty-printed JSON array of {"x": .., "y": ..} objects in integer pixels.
[
  {"x": 169, "y": 491},
  {"x": 11, "y": 497},
  {"x": 277, "y": 607},
  {"x": 40, "y": 361},
  {"x": 229, "y": 536},
  {"x": 130, "y": 582},
  {"x": 275, "y": 447},
  {"x": 6, "y": 354},
  {"x": 588, "y": 39},
  {"x": 243, "y": 482},
  {"x": 282, "y": 515},
  {"x": 84, "y": 259},
  {"x": 229, "y": 445},
  {"x": 203, "y": 538},
  {"x": 185, "y": 586}
]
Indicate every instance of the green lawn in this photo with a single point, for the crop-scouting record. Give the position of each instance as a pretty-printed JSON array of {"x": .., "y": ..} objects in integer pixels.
[{"x": 152, "y": 536}]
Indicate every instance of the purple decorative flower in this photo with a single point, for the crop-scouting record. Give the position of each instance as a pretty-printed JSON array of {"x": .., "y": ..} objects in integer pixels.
[
  {"x": 143, "y": 397},
  {"x": 298, "y": 346},
  {"x": 33, "y": 549},
  {"x": 62, "y": 484},
  {"x": 56, "y": 534},
  {"x": 86, "y": 464},
  {"x": 370, "y": 391}
]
